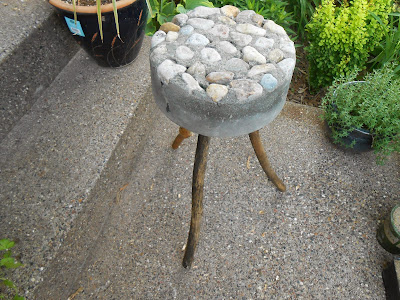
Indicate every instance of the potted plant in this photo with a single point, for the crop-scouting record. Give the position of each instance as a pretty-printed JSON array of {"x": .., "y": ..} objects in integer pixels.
[
  {"x": 366, "y": 111},
  {"x": 111, "y": 33}
]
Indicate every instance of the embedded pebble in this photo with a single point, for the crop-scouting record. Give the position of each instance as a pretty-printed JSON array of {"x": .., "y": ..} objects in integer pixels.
[
  {"x": 271, "y": 26},
  {"x": 236, "y": 65},
  {"x": 264, "y": 43},
  {"x": 259, "y": 19},
  {"x": 160, "y": 50},
  {"x": 220, "y": 77},
  {"x": 252, "y": 55},
  {"x": 168, "y": 70},
  {"x": 240, "y": 39},
  {"x": 192, "y": 83},
  {"x": 158, "y": 38},
  {"x": 210, "y": 55},
  {"x": 226, "y": 47},
  {"x": 200, "y": 23},
  {"x": 260, "y": 69},
  {"x": 269, "y": 82},
  {"x": 217, "y": 91},
  {"x": 287, "y": 66},
  {"x": 180, "y": 19},
  {"x": 288, "y": 46},
  {"x": 197, "y": 68},
  {"x": 220, "y": 30},
  {"x": 169, "y": 26},
  {"x": 276, "y": 55},
  {"x": 172, "y": 36},
  {"x": 183, "y": 52},
  {"x": 250, "y": 29},
  {"x": 230, "y": 11},
  {"x": 245, "y": 88},
  {"x": 204, "y": 12},
  {"x": 245, "y": 16},
  {"x": 186, "y": 30},
  {"x": 197, "y": 39},
  {"x": 227, "y": 21}
]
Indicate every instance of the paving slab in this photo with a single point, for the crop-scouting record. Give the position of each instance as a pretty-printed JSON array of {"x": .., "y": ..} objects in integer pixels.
[{"x": 316, "y": 241}]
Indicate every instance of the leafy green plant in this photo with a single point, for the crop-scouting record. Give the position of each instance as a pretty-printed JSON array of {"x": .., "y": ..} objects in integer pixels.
[
  {"x": 342, "y": 38},
  {"x": 372, "y": 105},
  {"x": 8, "y": 262},
  {"x": 302, "y": 11}
]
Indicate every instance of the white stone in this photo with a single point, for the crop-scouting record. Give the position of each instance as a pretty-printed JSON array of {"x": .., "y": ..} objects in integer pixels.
[
  {"x": 288, "y": 46},
  {"x": 264, "y": 43},
  {"x": 210, "y": 55},
  {"x": 183, "y": 52},
  {"x": 180, "y": 19},
  {"x": 287, "y": 66},
  {"x": 227, "y": 21},
  {"x": 230, "y": 11},
  {"x": 197, "y": 39},
  {"x": 269, "y": 83},
  {"x": 186, "y": 30},
  {"x": 220, "y": 77},
  {"x": 192, "y": 84},
  {"x": 172, "y": 36},
  {"x": 158, "y": 38},
  {"x": 252, "y": 55},
  {"x": 260, "y": 69},
  {"x": 197, "y": 69},
  {"x": 236, "y": 65},
  {"x": 271, "y": 26},
  {"x": 275, "y": 55},
  {"x": 220, "y": 30},
  {"x": 200, "y": 23},
  {"x": 240, "y": 39},
  {"x": 245, "y": 88},
  {"x": 217, "y": 91},
  {"x": 245, "y": 16},
  {"x": 250, "y": 29},
  {"x": 226, "y": 47},
  {"x": 259, "y": 19},
  {"x": 203, "y": 12},
  {"x": 160, "y": 50},
  {"x": 168, "y": 70}
]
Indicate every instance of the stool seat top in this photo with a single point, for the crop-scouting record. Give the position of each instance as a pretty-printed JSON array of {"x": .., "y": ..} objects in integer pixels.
[{"x": 221, "y": 72}]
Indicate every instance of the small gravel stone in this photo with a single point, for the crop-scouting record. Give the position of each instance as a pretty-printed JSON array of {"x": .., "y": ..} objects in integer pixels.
[
  {"x": 200, "y": 23},
  {"x": 158, "y": 38},
  {"x": 287, "y": 66},
  {"x": 186, "y": 30},
  {"x": 276, "y": 55},
  {"x": 288, "y": 46},
  {"x": 227, "y": 21},
  {"x": 180, "y": 19},
  {"x": 217, "y": 91},
  {"x": 250, "y": 29},
  {"x": 220, "y": 30},
  {"x": 230, "y": 11},
  {"x": 197, "y": 39},
  {"x": 220, "y": 77},
  {"x": 169, "y": 26},
  {"x": 210, "y": 55},
  {"x": 245, "y": 88},
  {"x": 192, "y": 83},
  {"x": 264, "y": 43},
  {"x": 274, "y": 28},
  {"x": 168, "y": 70},
  {"x": 197, "y": 68},
  {"x": 245, "y": 16},
  {"x": 240, "y": 39},
  {"x": 259, "y": 69},
  {"x": 252, "y": 55},
  {"x": 160, "y": 50},
  {"x": 269, "y": 82},
  {"x": 172, "y": 36},
  {"x": 183, "y": 52},
  {"x": 258, "y": 19},
  {"x": 226, "y": 47},
  {"x": 203, "y": 12},
  {"x": 236, "y": 65}
]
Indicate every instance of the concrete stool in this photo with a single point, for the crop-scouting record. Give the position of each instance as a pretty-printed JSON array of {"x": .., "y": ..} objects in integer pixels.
[{"x": 220, "y": 72}]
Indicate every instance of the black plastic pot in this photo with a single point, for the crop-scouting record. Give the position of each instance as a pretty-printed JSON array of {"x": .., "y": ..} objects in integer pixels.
[{"x": 112, "y": 51}]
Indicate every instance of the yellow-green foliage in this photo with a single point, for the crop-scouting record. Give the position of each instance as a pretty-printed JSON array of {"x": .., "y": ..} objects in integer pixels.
[{"x": 341, "y": 38}]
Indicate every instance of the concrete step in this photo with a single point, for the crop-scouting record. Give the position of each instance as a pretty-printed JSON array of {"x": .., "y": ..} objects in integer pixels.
[{"x": 67, "y": 154}]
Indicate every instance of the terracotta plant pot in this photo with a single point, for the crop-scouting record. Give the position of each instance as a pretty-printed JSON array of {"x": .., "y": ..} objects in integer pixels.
[{"x": 112, "y": 51}]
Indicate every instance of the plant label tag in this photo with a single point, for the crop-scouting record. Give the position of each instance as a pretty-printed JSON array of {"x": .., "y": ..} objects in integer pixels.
[{"x": 76, "y": 29}]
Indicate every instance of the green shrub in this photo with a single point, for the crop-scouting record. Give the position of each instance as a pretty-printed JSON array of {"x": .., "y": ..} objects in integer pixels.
[
  {"x": 341, "y": 38},
  {"x": 8, "y": 262},
  {"x": 302, "y": 11}
]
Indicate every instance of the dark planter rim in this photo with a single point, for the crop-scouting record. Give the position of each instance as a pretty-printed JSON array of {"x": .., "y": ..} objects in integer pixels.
[{"x": 90, "y": 9}]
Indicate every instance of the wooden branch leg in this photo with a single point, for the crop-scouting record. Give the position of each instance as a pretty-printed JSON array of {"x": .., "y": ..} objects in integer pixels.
[
  {"x": 199, "y": 170},
  {"x": 183, "y": 134},
  {"x": 262, "y": 158}
]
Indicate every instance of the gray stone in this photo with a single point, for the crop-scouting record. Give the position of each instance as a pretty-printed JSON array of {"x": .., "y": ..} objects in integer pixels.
[
  {"x": 210, "y": 55},
  {"x": 220, "y": 77},
  {"x": 203, "y": 12},
  {"x": 220, "y": 30},
  {"x": 168, "y": 70},
  {"x": 236, "y": 65},
  {"x": 264, "y": 43},
  {"x": 245, "y": 16},
  {"x": 226, "y": 47},
  {"x": 186, "y": 30},
  {"x": 227, "y": 21},
  {"x": 260, "y": 69},
  {"x": 269, "y": 82},
  {"x": 276, "y": 55},
  {"x": 197, "y": 39},
  {"x": 200, "y": 23},
  {"x": 288, "y": 47},
  {"x": 197, "y": 69},
  {"x": 160, "y": 50},
  {"x": 258, "y": 19},
  {"x": 271, "y": 26},
  {"x": 192, "y": 84},
  {"x": 180, "y": 19},
  {"x": 230, "y": 11},
  {"x": 183, "y": 52},
  {"x": 217, "y": 91},
  {"x": 287, "y": 66},
  {"x": 250, "y": 29},
  {"x": 171, "y": 36},
  {"x": 245, "y": 88},
  {"x": 240, "y": 39},
  {"x": 158, "y": 38},
  {"x": 252, "y": 55}
]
